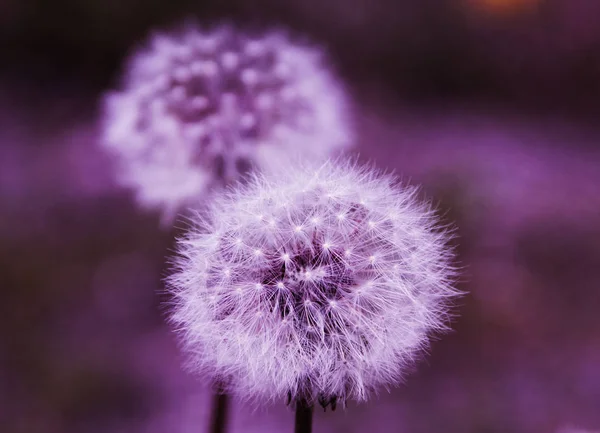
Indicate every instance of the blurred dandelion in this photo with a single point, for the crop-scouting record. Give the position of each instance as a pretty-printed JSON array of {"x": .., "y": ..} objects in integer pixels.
[
  {"x": 198, "y": 109},
  {"x": 318, "y": 284}
]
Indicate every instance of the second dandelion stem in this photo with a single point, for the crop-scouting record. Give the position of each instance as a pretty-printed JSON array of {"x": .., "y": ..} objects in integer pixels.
[
  {"x": 218, "y": 422},
  {"x": 304, "y": 417}
]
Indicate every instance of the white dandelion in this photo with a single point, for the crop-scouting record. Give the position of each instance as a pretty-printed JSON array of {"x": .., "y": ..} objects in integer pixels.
[
  {"x": 197, "y": 109},
  {"x": 320, "y": 283}
]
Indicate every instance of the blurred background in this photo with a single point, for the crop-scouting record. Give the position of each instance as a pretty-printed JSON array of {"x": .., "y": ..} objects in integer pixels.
[{"x": 491, "y": 105}]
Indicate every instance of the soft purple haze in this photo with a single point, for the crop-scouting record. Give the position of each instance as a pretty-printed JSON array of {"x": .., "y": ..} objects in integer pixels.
[{"x": 496, "y": 116}]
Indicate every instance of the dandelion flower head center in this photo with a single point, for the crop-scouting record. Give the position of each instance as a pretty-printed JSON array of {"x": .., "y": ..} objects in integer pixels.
[{"x": 307, "y": 276}]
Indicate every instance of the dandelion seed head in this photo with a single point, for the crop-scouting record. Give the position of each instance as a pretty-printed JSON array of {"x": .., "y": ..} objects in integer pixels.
[
  {"x": 343, "y": 308},
  {"x": 197, "y": 109}
]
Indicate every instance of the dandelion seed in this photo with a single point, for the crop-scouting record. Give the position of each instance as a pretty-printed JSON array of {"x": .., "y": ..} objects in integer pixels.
[{"x": 333, "y": 326}]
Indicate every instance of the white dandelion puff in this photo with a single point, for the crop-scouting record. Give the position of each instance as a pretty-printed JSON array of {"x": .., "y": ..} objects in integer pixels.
[
  {"x": 197, "y": 109},
  {"x": 314, "y": 307}
]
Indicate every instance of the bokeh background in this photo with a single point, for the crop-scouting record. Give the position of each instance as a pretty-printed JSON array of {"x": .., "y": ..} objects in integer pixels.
[{"x": 492, "y": 105}]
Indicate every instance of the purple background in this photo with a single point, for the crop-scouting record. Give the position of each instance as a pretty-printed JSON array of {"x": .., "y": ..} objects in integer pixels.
[{"x": 494, "y": 111}]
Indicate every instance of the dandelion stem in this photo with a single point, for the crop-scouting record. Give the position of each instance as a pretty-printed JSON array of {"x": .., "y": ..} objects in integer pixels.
[
  {"x": 304, "y": 417},
  {"x": 218, "y": 421}
]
